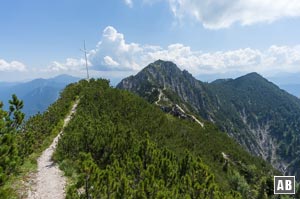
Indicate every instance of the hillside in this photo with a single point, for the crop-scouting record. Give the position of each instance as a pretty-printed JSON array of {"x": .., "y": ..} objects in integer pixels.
[
  {"x": 259, "y": 115},
  {"x": 118, "y": 145}
]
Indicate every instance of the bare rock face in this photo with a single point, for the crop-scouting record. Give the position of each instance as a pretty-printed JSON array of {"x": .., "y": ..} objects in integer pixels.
[{"x": 255, "y": 112}]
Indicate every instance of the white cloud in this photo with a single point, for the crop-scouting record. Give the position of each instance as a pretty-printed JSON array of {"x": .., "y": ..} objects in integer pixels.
[
  {"x": 11, "y": 66},
  {"x": 274, "y": 59},
  {"x": 198, "y": 62},
  {"x": 129, "y": 3},
  {"x": 114, "y": 53},
  {"x": 70, "y": 64},
  {"x": 110, "y": 62},
  {"x": 127, "y": 56},
  {"x": 215, "y": 14}
]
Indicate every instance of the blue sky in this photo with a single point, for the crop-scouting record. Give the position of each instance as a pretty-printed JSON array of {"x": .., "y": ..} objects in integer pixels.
[{"x": 209, "y": 38}]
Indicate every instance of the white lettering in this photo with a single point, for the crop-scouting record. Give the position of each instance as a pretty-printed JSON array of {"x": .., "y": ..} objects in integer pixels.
[
  {"x": 288, "y": 185},
  {"x": 280, "y": 185}
]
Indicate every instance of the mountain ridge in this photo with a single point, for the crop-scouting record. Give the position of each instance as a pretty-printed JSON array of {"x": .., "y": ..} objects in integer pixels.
[
  {"x": 253, "y": 110},
  {"x": 119, "y": 141},
  {"x": 119, "y": 128}
]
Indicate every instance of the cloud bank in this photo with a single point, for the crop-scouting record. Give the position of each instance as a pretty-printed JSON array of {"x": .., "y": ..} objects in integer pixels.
[
  {"x": 113, "y": 53},
  {"x": 114, "y": 57},
  {"x": 71, "y": 64},
  {"x": 11, "y": 66},
  {"x": 216, "y": 14}
]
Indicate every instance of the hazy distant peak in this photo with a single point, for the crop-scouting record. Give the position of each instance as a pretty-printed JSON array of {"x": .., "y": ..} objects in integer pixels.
[{"x": 64, "y": 78}]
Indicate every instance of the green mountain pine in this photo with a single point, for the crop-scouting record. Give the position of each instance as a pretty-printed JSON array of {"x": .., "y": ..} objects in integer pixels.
[
  {"x": 119, "y": 146},
  {"x": 258, "y": 114}
]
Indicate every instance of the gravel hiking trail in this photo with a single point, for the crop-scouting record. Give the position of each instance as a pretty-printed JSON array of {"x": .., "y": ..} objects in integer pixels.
[{"x": 49, "y": 181}]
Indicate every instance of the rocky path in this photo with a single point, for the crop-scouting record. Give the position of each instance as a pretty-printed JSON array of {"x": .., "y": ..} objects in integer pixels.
[
  {"x": 49, "y": 181},
  {"x": 193, "y": 117},
  {"x": 159, "y": 97},
  {"x": 181, "y": 109}
]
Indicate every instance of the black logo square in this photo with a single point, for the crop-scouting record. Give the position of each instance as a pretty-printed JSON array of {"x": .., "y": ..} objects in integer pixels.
[{"x": 284, "y": 184}]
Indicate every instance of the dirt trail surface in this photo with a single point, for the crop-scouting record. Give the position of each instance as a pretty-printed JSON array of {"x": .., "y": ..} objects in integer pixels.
[
  {"x": 49, "y": 182},
  {"x": 159, "y": 97}
]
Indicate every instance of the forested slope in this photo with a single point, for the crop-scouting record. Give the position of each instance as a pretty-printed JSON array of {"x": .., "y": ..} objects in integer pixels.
[
  {"x": 264, "y": 119},
  {"x": 120, "y": 146}
]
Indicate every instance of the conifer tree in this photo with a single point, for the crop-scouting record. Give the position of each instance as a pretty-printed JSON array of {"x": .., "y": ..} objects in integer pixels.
[{"x": 9, "y": 155}]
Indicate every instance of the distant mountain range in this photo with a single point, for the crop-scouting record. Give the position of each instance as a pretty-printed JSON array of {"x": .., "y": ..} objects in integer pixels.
[
  {"x": 258, "y": 114},
  {"x": 37, "y": 94}
]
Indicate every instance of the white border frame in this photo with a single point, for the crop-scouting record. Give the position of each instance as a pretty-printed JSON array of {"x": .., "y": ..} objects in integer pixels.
[{"x": 285, "y": 193}]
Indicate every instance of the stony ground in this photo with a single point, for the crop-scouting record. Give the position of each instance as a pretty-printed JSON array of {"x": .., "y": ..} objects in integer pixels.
[{"x": 49, "y": 181}]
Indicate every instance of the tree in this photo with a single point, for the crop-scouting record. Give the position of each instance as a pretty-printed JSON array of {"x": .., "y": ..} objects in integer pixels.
[
  {"x": 9, "y": 124},
  {"x": 4, "y": 119},
  {"x": 262, "y": 191},
  {"x": 297, "y": 194},
  {"x": 15, "y": 111}
]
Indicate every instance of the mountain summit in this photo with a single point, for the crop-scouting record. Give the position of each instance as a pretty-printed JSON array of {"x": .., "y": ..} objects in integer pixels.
[
  {"x": 159, "y": 73},
  {"x": 163, "y": 76},
  {"x": 255, "y": 112}
]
